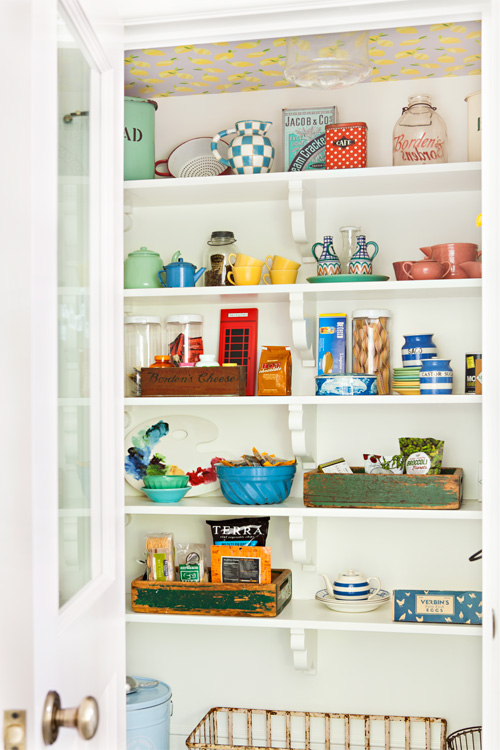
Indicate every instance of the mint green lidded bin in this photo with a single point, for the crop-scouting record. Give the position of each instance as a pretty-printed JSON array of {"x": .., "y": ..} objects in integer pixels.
[{"x": 139, "y": 156}]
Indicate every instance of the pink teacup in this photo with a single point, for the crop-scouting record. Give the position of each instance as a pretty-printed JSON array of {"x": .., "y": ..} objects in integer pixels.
[
  {"x": 399, "y": 272},
  {"x": 426, "y": 270}
]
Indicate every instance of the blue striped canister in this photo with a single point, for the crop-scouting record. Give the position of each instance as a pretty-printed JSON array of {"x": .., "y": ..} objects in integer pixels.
[
  {"x": 418, "y": 347},
  {"x": 436, "y": 377}
]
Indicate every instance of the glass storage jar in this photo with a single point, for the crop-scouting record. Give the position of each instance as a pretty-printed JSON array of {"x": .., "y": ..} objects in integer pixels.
[
  {"x": 420, "y": 134},
  {"x": 216, "y": 259},
  {"x": 184, "y": 336},
  {"x": 142, "y": 343},
  {"x": 371, "y": 346}
]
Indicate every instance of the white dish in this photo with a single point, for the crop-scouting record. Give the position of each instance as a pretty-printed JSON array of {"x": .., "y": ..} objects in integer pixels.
[{"x": 367, "y": 605}]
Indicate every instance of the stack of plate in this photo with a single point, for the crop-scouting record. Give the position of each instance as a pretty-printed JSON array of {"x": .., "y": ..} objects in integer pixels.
[
  {"x": 405, "y": 380},
  {"x": 365, "y": 605}
]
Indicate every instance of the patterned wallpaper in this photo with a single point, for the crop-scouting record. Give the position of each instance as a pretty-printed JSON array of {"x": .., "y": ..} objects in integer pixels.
[{"x": 441, "y": 50}]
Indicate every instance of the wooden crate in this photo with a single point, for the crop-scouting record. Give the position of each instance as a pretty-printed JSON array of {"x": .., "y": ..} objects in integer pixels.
[
  {"x": 193, "y": 381},
  {"x": 359, "y": 490},
  {"x": 230, "y": 599}
]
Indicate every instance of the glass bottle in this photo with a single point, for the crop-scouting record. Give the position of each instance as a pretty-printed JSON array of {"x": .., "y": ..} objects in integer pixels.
[
  {"x": 216, "y": 259},
  {"x": 419, "y": 136},
  {"x": 349, "y": 245}
]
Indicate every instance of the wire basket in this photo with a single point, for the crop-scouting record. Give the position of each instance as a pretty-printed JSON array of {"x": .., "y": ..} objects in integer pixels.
[
  {"x": 261, "y": 729},
  {"x": 465, "y": 739}
]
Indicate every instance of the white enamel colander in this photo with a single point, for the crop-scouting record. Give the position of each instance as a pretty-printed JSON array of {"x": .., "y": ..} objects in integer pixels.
[{"x": 193, "y": 158}]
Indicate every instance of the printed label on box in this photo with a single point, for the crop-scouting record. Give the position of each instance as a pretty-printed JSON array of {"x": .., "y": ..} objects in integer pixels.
[
  {"x": 331, "y": 344},
  {"x": 435, "y": 605},
  {"x": 304, "y": 137}
]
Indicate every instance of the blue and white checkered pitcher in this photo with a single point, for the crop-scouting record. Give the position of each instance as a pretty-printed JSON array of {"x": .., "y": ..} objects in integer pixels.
[{"x": 250, "y": 151}]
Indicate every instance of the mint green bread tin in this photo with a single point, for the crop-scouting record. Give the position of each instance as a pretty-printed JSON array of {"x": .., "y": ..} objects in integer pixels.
[{"x": 139, "y": 154}]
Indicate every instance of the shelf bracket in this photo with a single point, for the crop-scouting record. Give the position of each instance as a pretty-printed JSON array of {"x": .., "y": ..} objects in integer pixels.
[
  {"x": 304, "y": 645},
  {"x": 303, "y": 217},
  {"x": 301, "y": 329},
  {"x": 299, "y": 538}
]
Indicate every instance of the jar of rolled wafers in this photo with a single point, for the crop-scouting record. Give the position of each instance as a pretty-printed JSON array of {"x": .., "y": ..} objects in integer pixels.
[{"x": 371, "y": 350}]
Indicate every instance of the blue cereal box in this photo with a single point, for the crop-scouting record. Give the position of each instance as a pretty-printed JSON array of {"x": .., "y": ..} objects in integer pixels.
[
  {"x": 460, "y": 607},
  {"x": 331, "y": 343},
  {"x": 304, "y": 137}
]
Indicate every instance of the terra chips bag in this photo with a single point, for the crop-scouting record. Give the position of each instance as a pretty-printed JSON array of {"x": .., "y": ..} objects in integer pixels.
[
  {"x": 422, "y": 455},
  {"x": 275, "y": 371},
  {"x": 240, "y": 532}
]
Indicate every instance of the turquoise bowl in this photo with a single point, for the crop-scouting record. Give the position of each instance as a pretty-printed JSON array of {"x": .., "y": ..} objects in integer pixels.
[
  {"x": 172, "y": 495},
  {"x": 255, "y": 485},
  {"x": 167, "y": 482}
]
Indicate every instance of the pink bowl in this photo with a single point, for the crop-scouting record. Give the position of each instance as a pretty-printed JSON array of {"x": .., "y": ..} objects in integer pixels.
[
  {"x": 399, "y": 272},
  {"x": 473, "y": 269}
]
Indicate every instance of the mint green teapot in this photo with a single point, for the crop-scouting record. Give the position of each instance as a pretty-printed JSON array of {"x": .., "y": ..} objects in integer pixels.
[{"x": 141, "y": 269}]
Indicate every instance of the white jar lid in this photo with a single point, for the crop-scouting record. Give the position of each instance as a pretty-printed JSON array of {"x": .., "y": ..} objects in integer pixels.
[
  {"x": 142, "y": 319},
  {"x": 371, "y": 314},
  {"x": 184, "y": 318}
]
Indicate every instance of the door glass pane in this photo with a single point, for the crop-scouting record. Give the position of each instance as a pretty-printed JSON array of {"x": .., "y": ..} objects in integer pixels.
[{"x": 74, "y": 308}]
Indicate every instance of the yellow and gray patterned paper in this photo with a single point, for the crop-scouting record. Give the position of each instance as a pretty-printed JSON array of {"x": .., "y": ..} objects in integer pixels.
[{"x": 441, "y": 50}]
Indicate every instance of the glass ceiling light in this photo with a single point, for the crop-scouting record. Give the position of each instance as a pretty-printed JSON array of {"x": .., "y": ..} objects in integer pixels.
[{"x": 328, "y": 61}]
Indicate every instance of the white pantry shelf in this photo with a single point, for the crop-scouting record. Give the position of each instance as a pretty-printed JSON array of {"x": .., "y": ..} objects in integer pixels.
[
  {"x": 414, "y": 179},
  {"x": 205, "y": 506},
  {"x": 249, "y": 401},
  {"x": 320, "y": 292},
  {"x": 308, "y": 614}
]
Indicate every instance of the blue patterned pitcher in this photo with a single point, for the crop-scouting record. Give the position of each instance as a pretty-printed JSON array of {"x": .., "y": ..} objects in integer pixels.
[
  {"x": 361, "y": 262},
  {"x": 250, "y": 151},
  {"x": 328, "y": 262}
]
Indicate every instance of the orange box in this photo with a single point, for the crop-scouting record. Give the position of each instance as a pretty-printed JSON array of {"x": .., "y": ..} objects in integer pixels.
[
  {"x": 231, "y": 564},
  {"x": 346, "y": 145}
]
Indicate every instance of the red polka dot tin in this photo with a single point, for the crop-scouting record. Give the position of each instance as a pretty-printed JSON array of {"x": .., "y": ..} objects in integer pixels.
[{"x": 346, "y": 145}]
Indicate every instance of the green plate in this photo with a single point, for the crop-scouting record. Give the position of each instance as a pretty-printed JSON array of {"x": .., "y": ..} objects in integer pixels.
[{"x": 343, "y": 277}]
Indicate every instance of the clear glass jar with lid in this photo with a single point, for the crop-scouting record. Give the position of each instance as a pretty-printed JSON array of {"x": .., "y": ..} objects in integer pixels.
[
  {"x": 371, "y": 347},
  {"x": 420, "y": 135},
  {"x": 142, "y": 344},
  {"x": 184, "y": 337},
  {"x": 216, "y": 258}
]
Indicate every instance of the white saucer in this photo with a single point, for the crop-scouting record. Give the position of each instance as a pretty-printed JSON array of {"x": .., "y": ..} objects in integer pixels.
[{"x": 367, "y": 605}]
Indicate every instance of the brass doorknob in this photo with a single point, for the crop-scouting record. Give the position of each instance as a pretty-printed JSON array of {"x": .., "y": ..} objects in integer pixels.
[{"x": 84, "y": 718}]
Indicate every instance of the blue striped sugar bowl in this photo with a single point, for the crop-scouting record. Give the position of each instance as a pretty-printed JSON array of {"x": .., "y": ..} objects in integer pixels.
[
  {"x": 417, "y": 347},
  {"x": 352, "y": 586},
  {"x": 436, "y": 377}
]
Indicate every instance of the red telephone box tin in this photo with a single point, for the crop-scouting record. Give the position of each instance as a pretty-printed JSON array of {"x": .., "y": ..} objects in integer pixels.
[{"x": 346, "y": 145}]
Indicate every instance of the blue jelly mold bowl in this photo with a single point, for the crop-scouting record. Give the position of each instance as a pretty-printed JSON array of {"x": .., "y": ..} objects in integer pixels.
[
  {"x": 172, "y": 495},
  {"x": 255, "y": 485}
]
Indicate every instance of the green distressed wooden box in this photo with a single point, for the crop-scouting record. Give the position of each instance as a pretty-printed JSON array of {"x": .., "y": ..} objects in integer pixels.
[
  {"x": 231, "y": 599},
  {"x": 359, "y": 490}
]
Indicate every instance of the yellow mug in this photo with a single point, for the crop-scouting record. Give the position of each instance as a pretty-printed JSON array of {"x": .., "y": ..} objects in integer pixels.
[
  {"x": 244, "y": 260},
  {"x": 244, "y": 275},
  {"x": 278, "y": 263},
  {"x": 280, "y": 277}
]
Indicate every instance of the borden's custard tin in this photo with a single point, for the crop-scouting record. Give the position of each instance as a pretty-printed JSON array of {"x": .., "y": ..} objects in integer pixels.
[
  {"x": 346, "y": 145},
  {"x": 304, "y": 137}
]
